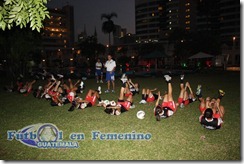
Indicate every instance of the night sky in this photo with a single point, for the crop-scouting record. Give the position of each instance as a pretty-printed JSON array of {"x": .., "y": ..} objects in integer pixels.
[{"x": 88, "y": 13}]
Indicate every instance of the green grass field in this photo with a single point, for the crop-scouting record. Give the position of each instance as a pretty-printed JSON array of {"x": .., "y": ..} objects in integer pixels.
[{"x": 175, "y": 138}]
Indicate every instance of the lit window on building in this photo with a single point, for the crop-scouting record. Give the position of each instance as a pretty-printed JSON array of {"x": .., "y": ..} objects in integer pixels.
[
  {"x": 153, "y": 14},
  {"x": 187, "y": 4},
  {"x": 160, "y": 8},
  {"x": 169, "y": 11},
  {"x": 188, "y": 22},
  {"x": 170, "y": 22},
  {"x": 187, "y": 10},
  {"x": 188, "y": 28},
  {"x": 187, "y": 16}
]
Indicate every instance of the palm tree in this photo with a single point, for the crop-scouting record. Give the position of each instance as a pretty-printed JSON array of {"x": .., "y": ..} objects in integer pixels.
[{"x": 108, "y": 26}]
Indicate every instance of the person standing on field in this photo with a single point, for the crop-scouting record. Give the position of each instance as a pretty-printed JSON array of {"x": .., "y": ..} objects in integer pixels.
[
  {"x": 110, "y": 66},
  {"x": 99, "y": 72}
]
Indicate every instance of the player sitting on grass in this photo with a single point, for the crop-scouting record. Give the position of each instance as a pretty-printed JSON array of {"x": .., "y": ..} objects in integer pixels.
[
  {"x": 71, "y": 90},
  {"x": 89, "y": 101},
  {"x": 149, "y": 96},
  {"x": 27, "y": 88},
  {"x": 168, "y": 106},
  {"x": 185, "y": 98},
  {"x": 212, "y": 113},
  {"x": 121, "y": 106}
]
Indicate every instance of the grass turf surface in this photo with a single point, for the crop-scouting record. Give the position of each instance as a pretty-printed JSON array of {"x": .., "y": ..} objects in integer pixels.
[{"x": 174, "y": 138}]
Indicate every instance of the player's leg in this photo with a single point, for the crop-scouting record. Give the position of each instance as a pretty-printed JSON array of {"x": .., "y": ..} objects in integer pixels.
[
  {"x": 170, "y": 89},
  {"x": 143, "y": 96},
  {"x": 121, "y": 94}
]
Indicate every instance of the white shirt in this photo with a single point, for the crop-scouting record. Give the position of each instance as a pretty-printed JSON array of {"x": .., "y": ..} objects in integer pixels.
[
  {"x": 110, "y": 65},
  {"x": 99, "y": 65}
]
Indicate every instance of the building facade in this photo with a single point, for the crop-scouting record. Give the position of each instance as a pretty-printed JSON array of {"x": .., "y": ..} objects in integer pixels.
[
  {"x": 150, "y": 20},
  {"x": 58, "y": 34}
]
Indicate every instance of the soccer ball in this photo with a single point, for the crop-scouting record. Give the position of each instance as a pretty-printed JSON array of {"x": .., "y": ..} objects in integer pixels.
[
  {"x": 140, "y": 114},
  {"x": 117, "y": 112},
  {"x": 113, "y": 103},
  {"x": 83, "y": 105},
  {"x": 106, "y": 102},
  {"x": 48, "y": 134}
]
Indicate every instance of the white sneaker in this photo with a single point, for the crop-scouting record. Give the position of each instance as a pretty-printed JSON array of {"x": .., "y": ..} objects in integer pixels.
[
  {"x": 142, "y": 102},
  {"x": 123, "y": 76},
  {"x": 81, "y": 84},
  {"x": 132, "y": 106},
  {"x": 107, "y": 91},
  {"x": 182, "y": 77},
  {"x": 167, "y": 77},
  {"x": 60, "y": 76},
  {"x": 99, "y": 90},
  {"x": 101, "y": 81},
  {"x": 113, "y": 91},
  {"x": 52, "y": 78},
  {"x": 198, "y": 90},
  {"x": 123, "y": 80}
]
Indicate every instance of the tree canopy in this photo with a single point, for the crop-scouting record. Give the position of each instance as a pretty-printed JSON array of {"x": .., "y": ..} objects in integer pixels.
[{"x": 23, "y": 13}]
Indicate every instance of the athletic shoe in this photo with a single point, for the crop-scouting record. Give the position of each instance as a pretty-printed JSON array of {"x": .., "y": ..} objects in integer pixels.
[
  {"x": 99, "y": 90},
  {"x": 221, "y": 92},
  {"x": 142, "y": 102},
  {"x": 198, "y": 92},
  {"x": 132, "y": 106},
  {"x": 123, "y": 78},
  {"x": 182, "y": 77},
  {"x": 167, "y": 78},
  {"x": 107, "y": 91},
  {"x": 113, "y": 91},
  {"x": 52, "y": 78},
  {"x": 81, "y": 84},
  {"x": 60, "y": 76},
  {"x": 101, "y": 81},
  {"x": 182, "y": 105},
  {"x": 158, "y": 117},
  {"x": 71, "y": 108}
]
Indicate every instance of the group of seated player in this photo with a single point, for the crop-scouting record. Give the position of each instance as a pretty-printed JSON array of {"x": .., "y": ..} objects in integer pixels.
[{"x": 59, "y": 93}]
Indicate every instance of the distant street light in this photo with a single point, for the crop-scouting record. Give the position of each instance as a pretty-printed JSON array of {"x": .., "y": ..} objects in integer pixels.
[{"x": 234, "y": 42}]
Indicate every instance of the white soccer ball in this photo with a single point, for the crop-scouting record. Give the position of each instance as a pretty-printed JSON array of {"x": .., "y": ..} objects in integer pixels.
[
  {"x": 140, "y": 114},
  {"x": 113, "y": 103},
  {"x": 117, "y": 112},
  {"x": 106, "y": 102},
  {"x": 83, "y": 105}
]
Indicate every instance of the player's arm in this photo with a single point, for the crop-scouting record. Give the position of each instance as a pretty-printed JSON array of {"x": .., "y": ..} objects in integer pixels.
[
  {"x": 157, "y": 102},
  {"x": 152, "y": 90},
  {"x": 78, "y": 81}
]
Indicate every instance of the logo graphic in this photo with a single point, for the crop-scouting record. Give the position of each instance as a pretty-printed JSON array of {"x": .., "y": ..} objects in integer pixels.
[{"x": 41, "y": 136}]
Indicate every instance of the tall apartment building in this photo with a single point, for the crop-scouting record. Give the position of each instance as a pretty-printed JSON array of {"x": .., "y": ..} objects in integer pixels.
[
  {"x": 181, "y": 14},
  {"x": 208, "y": 16},
  {"x": 156, "y": 18},
  {"x": 230, "y": 22},
  {"x": 58, "y": 33},
  {"x": 150, "y": 20}
]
